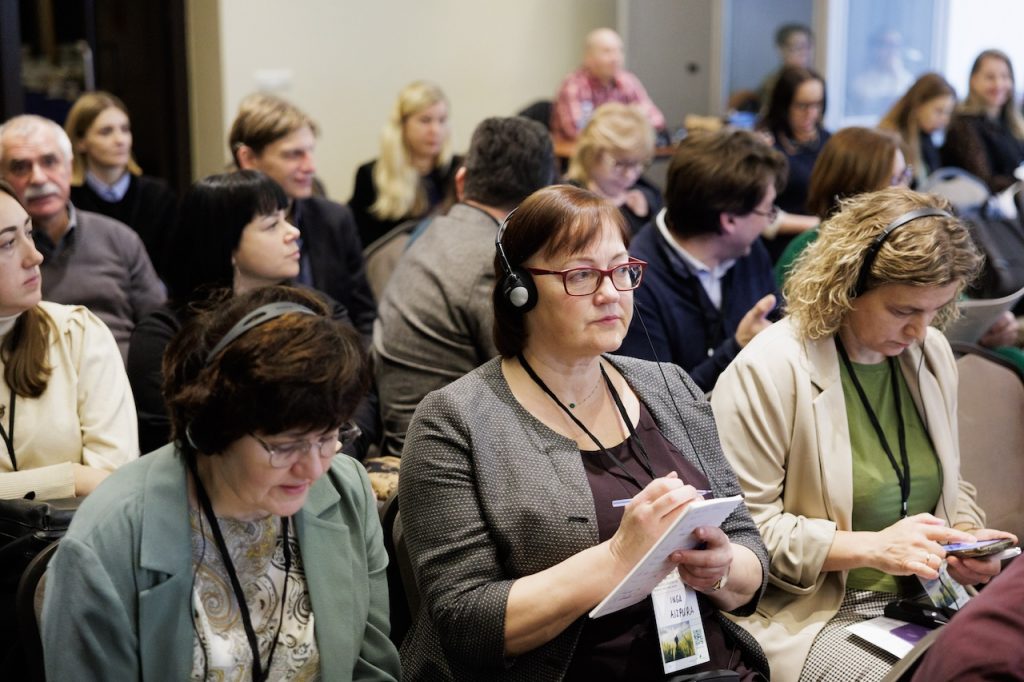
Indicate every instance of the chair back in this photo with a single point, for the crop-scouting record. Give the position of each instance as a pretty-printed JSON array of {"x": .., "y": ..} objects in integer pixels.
[
  {"x": 990, "y": 414},
  {"x": 382, "y": 256},
  {"x": 29, "y": 606},
  {"x": 403, "y": 595},
  {"x": 962, "y": 189}
]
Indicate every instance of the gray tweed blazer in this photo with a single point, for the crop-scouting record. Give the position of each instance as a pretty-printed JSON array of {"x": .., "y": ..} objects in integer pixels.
[{"x": 489, "y": 494}]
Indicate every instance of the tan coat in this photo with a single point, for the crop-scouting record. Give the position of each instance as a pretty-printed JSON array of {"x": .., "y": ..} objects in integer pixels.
[{"x": 781, "y": 416}]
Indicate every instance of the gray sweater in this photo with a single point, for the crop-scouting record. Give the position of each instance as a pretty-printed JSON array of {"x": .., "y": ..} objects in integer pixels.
[
  {"x": 489, "y": 494},
  {"x": 434, "y": 318},
  {"x": 102, "y": 264}
]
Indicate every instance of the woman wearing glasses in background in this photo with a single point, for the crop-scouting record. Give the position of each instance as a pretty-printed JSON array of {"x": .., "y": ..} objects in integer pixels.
[
  {"x": 245, "y": 546},
  {"x": 610, "y": 157},
  {"x": 794, "y": 120},
  {"x": 531, "y": 486}
]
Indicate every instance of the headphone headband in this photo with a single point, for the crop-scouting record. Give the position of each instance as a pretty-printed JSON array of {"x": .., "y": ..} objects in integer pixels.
[
  {"x": 872, "y": 251},
  {"x": 262, "y": 315}
]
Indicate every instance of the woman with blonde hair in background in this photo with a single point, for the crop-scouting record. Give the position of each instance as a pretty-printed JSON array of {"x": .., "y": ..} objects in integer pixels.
[
  {"x": 610, "y": 157},
  {"x": 415, "y": 170},
  {"x": 105, "y": 177},
  {"x": 918, "y": 117},
  {"x": 986, "y": 137}
]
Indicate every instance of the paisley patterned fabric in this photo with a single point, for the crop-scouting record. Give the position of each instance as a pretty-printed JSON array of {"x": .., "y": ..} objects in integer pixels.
[{"x": 220, "y": 649}]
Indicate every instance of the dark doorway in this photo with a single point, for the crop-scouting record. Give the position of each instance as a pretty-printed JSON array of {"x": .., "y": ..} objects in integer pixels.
[{"x": 52, "y": 50}]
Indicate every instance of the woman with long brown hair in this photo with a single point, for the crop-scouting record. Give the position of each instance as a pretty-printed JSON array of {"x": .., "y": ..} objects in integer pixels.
[{"x": 66, "y": 413}]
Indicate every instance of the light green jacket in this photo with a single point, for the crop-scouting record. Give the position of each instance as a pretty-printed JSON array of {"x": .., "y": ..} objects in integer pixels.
[{"x": 118, "y": 591}]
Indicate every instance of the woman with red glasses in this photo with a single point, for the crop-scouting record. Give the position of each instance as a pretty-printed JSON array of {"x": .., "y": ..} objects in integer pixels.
[{"x": 531, "y": 486}]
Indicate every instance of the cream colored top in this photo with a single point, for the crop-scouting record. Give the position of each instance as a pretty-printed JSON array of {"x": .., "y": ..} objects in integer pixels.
[{"x": 86, "y": 415}]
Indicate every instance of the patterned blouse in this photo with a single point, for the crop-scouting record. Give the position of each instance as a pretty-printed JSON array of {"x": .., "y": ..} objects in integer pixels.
[{"x": 221, "y": 650}]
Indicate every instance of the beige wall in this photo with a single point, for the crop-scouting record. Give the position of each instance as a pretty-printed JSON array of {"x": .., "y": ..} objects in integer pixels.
[{"x": 344, "y": 61}]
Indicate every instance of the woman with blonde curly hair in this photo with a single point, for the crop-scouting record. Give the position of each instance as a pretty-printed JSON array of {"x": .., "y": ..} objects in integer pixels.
[
  {"x": 610, "y": 157},
  {"x": 105, "y": 177},
  {"x": 415, "y": 171},
  {"x": 840, "y": 421}
]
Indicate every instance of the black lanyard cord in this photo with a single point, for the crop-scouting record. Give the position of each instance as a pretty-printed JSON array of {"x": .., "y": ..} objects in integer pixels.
[
  {"x": 258, "y": 674},
  {"x": 644, "y": 460},
  {"x": 903, "y": 476},
  {"x": 8, "y": 434}
]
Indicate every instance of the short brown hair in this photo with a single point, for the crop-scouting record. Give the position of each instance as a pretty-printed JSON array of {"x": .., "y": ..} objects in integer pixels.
[
  {"x": 854, "y": 160},
  {"x": 560, "y": 219},
  {"x": 727, "y": 171},
  {"x": 294, "y": 372},
  {"x": 263, "y": 119}
]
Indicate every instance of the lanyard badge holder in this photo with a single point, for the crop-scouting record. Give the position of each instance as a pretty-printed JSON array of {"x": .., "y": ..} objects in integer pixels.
[{"x": 680, "y": 628}]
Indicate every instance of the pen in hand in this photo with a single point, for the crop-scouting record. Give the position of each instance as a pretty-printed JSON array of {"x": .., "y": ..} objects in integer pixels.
[{"x": 623, "y": 502}]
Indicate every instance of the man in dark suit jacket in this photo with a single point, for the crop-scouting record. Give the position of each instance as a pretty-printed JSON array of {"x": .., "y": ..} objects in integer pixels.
[
  {"x": 709, "y": 287},
  {"x": 273, "y": 136}
]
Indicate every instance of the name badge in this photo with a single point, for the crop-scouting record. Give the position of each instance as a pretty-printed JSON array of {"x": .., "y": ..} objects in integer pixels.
[
  {"x": 680, "y": 629},
  {"x": 944, "y": 591}
]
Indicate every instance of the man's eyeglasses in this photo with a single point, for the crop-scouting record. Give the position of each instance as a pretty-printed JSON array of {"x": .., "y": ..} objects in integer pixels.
[
  {"x": 284, "y": 455},
  {"x": 585, "y": 281},
  {"x": 771, "y": 214}
]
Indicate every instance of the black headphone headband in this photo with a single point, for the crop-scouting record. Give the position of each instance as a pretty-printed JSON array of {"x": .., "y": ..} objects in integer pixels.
[
  {"x": 872, "y": 252},
  {"x": 262, "y": 315}
]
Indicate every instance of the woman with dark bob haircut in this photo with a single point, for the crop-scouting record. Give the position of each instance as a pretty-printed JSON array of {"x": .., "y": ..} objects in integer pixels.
[
  {"x": 248, "y": 544},
  {"x": 533, "y": 485},
  {"x": 232, "y": 234}
]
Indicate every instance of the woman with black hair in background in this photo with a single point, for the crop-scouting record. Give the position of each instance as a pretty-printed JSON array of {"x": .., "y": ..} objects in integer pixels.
[{"x": 232, "y": 234}]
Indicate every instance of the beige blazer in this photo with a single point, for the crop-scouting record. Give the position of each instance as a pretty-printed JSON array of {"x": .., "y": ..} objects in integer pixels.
[{"x": 781, "y": 416}]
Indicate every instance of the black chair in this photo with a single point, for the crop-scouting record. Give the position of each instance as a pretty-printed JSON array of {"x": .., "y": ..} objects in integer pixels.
[
  {"x": 28, "y": 607},
  {"x": 403, "y": 596}
]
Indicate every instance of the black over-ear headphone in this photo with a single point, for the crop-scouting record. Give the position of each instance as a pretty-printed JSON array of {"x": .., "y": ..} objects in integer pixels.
[
  {"x": 872, "y": 253},
  {"x": 261, "y": 315},
  {"x": 517, "y": 288}
]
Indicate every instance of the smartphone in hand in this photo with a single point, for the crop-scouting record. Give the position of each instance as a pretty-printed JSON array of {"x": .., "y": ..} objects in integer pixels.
[{"x": 975, "y": 550}]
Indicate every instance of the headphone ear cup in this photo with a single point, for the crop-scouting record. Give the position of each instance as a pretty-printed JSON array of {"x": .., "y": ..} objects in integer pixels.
[{"x": 519, "y": 290}]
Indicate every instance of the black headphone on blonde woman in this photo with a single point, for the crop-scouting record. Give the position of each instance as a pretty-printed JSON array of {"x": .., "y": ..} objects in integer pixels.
[
  {"x": 518, "y": 289},
  {"x": 872, "y": 251}
]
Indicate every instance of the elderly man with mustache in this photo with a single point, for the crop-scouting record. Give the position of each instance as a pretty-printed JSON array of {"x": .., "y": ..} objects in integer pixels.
[{"x": 89, "y": 259}]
